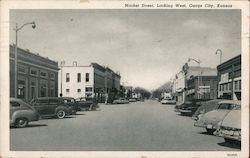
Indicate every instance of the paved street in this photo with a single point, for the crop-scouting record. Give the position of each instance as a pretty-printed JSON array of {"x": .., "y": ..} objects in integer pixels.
[{"x": 136, "y": 126}]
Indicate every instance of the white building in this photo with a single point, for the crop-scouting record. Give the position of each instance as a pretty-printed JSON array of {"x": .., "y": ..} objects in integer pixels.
[
  {"x": 76, "y": 81},
  {"x": 94, "y": 81}
]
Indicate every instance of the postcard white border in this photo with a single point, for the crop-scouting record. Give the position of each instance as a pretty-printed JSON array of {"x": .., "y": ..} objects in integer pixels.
[{"x": 85, "y": 4}]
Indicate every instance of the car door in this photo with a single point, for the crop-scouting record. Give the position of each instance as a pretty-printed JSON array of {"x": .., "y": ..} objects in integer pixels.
[
  {"x": 53, "y": 104},
  {"x": 40, "y": 106}
]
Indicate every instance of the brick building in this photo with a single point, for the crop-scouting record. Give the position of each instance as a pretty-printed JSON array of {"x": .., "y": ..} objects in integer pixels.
[
  {"x": 37, "y": 76},
  {"x": 229, "y": 79}
]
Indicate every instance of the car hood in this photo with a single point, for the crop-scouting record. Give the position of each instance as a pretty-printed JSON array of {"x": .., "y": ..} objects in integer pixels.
[
  {"x": 233, "y": 119},
  {"x": 215, "y": 115}
]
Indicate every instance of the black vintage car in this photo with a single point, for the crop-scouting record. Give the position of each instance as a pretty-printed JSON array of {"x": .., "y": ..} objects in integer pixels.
[
  {"x": 51, "y": 106},
  {"x": 189, "y": 107},
  {"x": 71, "y": 102},
  {"x": 86, "y": 103}
]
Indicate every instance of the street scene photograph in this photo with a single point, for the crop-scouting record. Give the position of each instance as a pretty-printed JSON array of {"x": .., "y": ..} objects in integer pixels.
[{"x": 125, "y": 79}]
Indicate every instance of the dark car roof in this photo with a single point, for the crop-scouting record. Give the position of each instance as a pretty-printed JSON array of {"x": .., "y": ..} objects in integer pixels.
[{"x": 208, "y": 106}]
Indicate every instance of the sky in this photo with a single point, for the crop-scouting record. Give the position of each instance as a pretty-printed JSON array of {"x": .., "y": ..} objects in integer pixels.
[{"x": 148, "y": 47}]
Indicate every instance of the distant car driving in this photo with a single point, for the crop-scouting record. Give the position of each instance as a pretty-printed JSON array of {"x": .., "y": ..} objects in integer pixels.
[
  {"x": 132, "y": 100},
  {"x": 120, "y": 101},
  {"x": 168, "y": 101},
  {"x": 210, "y": 120},
  {"x": 21, "y": 113}
]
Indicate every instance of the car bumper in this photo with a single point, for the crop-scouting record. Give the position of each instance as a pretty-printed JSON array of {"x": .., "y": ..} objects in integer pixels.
[
  {"x": 229, "y": 134},
  {"x": 185, "y": 111},
  {"x": 205, "y": 125}
]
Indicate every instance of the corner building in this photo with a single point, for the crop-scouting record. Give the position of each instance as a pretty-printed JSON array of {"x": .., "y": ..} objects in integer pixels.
[
  {"x": 37, "y": 76},
  {"x": 229, "y": 79}
]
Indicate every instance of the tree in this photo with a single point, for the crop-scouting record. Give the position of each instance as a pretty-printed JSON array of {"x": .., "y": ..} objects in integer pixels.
[
  {"x": 144, "y": 93},
  {"x": 166, "y": 87}
]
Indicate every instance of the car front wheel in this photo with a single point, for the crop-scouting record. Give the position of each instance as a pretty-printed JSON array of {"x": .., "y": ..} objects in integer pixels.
[
  {"x": 21, "y": 122},
  {"x": 60, "y": 114}
]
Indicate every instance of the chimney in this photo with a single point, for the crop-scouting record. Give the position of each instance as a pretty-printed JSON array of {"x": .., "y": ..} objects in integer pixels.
[{"x": 75, "y": 63}]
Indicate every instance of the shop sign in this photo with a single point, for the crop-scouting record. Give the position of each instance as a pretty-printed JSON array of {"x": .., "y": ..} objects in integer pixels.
[{"x": 224, "y": 77}]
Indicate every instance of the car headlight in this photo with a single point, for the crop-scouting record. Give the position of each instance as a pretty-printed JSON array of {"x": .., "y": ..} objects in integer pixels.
[{"x": 218, "y": 124}]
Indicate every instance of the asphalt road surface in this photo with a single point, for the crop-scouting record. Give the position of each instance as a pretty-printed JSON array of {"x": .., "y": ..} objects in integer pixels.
[{"x": 139, "y": 126}]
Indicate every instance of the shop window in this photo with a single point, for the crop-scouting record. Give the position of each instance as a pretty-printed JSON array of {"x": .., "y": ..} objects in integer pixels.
[
  {"x": 21, "y": 89},
  {"x": 33, "y": 89},
  {"x": 88, "y": 89}
]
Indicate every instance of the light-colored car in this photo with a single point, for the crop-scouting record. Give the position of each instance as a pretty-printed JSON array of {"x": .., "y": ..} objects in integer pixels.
[
  {"x": 168, "y": 101},
  {"x": 230, "y": 126},
  {"x": 206, "y": 107},
  {"x": 21, "y": 113},
  {"x": 210, "y": 120},
  {"x": 121, "y": 101},
  {"x": 132, "y": 100}
]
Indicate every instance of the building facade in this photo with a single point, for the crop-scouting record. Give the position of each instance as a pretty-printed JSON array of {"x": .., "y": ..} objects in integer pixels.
[
  {"x": 229, "y": 79},
  {"x": 201, "y": 83},
  {"x": 93, "y": 81},
  {"x": 194, "y": 82},
  {"x": 37, "y": 76}
]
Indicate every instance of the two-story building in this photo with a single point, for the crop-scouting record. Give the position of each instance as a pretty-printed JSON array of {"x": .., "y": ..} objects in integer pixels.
[
  {"x": 93, "y": 81},
  {"x": 229, "y": 79},
  {"x": 37, "y": 76}
]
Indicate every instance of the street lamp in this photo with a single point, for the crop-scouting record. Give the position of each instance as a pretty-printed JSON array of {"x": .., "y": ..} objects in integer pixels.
[
  {"x": 16, "y": 30},
  {"x": 218, "y": 51},
  {"x": 62, "y": 64},
  {"x": 199, "y": 62}
]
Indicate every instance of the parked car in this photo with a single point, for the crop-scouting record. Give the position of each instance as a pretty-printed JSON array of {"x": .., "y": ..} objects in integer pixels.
[
  {"x": 21, "y": 113},
  {"x": 132, "y": 100},
  {"x": 189, "y": 107},
  {"x": 168, "y": 101},
  {"x": 210, "y": 120},
  {"x": 121, "y": 101},
  {"x": 71, "y": 102},
  {"x": 51, "y": 106},
  {"x": 87, "y": 103},
  {"x": 206, "y": 107},
  {"x": 230, "y": 126}
]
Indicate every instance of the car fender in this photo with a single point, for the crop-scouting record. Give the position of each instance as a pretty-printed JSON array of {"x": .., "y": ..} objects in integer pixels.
[
  {"x": 65, "y": 108},
  {"x": 28, "y": 114}
]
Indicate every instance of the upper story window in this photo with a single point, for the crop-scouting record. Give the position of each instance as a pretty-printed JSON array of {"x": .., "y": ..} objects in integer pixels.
[
  {"x": 67, "y": 77},
  {"x": 52, "y": 75},
  {"x": 87, "y": 77},
  {"x": 79, "y": 78},
  {"x": 43, "y": 74},
  {"x": 22, "y": 69},
  {"x": 33, "y": 72}
]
